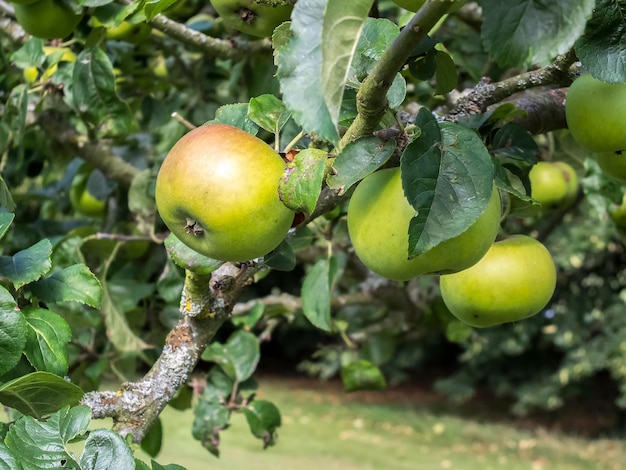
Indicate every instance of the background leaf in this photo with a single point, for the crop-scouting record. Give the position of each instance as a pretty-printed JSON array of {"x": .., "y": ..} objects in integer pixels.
[
  {"x": 46, "y": 340},
  {"x": 74, "y": 283},
  {"x": 316, "y": 292},
  {"x": 520, "y": 32},
  {"x": 39, "y": 393},
  {"x": 12, "y": 331},
  {"x": 602, "y": 49},
  {"x": 263, "y": 419},
  {"x": 27, "y": 265},
  {"x": 362, "y": 375},
  {"x": 238, "y": 357}
]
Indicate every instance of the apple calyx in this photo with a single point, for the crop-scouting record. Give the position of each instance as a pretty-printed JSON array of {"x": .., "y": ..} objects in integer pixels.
[
  {"x": 192, "y": 227},
  {"x": 247, "y": 16}
]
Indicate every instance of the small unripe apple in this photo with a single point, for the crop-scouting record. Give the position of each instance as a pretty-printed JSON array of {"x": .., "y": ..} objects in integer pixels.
[
  {"x": 250, "y": 17},
  {"x": 47, "y": 19},
  {"x": 217, "y": 191},
  {"x": 378, "y": 223},
  {"x": 595, "y": 114},
  {"x": 513, "y": 281}
]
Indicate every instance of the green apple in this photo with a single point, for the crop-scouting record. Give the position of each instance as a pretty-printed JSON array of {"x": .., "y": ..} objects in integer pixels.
[
  {"x": 47, "y": 19},
  {"x": 513, "y": 281},
  {"x": 82, "y": 200},
  {"x": 547, "y": 184},
  {"x": 251, "y": 17},
  {"x": 378, "y": 224},
  {"x": 595, "y": 114},
  {"x": 217, "y": 191},
  {"x": 571, "y": 181},
  {"x": 613, "y": 164}
]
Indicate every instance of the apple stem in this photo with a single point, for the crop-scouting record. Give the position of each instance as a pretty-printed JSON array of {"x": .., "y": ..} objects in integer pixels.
[{"x": 189, "y": 125}]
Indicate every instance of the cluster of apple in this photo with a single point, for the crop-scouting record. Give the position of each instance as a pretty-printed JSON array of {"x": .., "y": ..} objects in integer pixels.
[
  {"x": 217, "y": 191},
  {"x": 594, "y": 111},
  {"x": 48, "y": 19}
]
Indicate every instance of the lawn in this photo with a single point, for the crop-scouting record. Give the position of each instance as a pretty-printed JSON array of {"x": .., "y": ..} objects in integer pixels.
[{"x": 323, "y": 428}]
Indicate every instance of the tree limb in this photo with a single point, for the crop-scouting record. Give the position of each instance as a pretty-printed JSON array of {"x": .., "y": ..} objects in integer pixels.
[{"x": 137, "y": 405}]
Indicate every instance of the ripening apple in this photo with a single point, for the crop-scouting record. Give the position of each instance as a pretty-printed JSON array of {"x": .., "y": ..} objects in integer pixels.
[
  {"x": 595, "y": 114},
  {"x": 250, "y": 17},
  {"x": 613, "y": 164},
  {"x": 48, "y": 19},
  {"x": 217, "y": 191},
  {"x": 378, "y": 224},
  {"x": 513, "y": 281}
]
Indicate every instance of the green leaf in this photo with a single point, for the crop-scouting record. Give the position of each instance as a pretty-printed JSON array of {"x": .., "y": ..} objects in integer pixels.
[
  {"x": 301, "y": 183},
  {"x": 235, "y": 115},
  {"x": 39, "y": 394},
  {"x": 362, "y": 375},
  {"x": 210, "y": 418},
  {"x": 6, "y": 219},
  {"x": 514, "y": 141},
  {"x": 457, "y": 331},
  {"x": 140, "y": 199},
  {"x": 300, "y": 61},
  {"x": 282, "y": 258},
  {"x": 153, "y": 7},
  {"x": 13, "y": 330},
  {"x": 520, "y": 32},
  {"x": 342, "y": 26},
  {"x": 31, "y": 54},
  {"x": 251, "y": 318},
  {"x": 94, "y": 94},
  {"x": 263, "y": 418},
  {"x": 189, "y": 259},
  {"x": 106, "y": 449},
  {"x": 268, "y": 112},
  {"x": 43, "y": 444},
  {"x": 27, "y": 265},
  {"x": 238, "y": 357},
  {"x": 6, "y": 200},
  {"x": 317, "y": 292},
  {"x": 602, "y": 49},
  {"x": 445, "y": 77},
  {"x": 7, "y": 460},
  {"x": 74, "y": 283},
  {"x": 46, "y": 340},
  {"x": 448, "y": 183},
  {"x": 357, "y": 160}
]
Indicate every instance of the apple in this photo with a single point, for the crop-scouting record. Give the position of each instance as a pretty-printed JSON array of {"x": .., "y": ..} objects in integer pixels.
[
  {"x": 571, "y": 181},
  {"x": 251, "y": 17},
  {"x": 594, "y": 112},
  {"x": 47, "y": 19},
  {"x": 81, "y": 199},
  {"x": 378, "y": 224},
  {"x": 217, "y": 191},
  {"x": 513, "y": 281},
  {"x": 613, "y": 164}
]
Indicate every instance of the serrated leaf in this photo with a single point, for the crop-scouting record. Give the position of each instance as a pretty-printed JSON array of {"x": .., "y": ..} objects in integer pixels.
[
  {"x": 189, "y": 259},
  {"x": 520, "y": 32},
  {"x": 43, "y": 444},
  {"x": 282, "y": 258},
  {"x": 357, "y": 160},
  {"x": 268, "y": 112},
  {"x": 448, "y": 183},
  {"x": 105, "y": 449},
  {"x": 140, "y": 199},
  {"x": 12, "y": 331},
  {"x": 75, "y": 283},
  {"x": 27, "y": 265},
  {"x": 317, "y": 292},
  {"x": 39, "y": 394},
  {"x": 238, "y": 358},
  {"x": 300, "y": 61},
  {"x": 263, "y": 418},
  {"x": 514, "y": 141},
  {"x": 602, "y": 49},
  {"x": 153, "y": 7},
  {"x": 31, "y": 54},
  {"x": 301, "y": 183},
  {"x": 342, "y": 26},
  {"x": 235, "y": 115},
  {"x": 362, "y": 375},
  {"x": 46, "y": 340},
  {"x": 94, "y": 93}
]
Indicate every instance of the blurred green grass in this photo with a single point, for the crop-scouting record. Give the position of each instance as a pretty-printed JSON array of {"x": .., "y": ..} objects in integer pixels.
[{"x": 324, "y": 428}]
